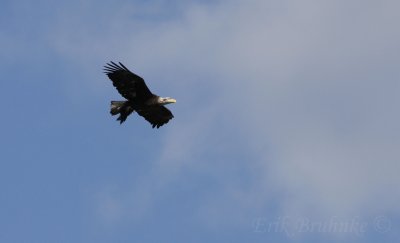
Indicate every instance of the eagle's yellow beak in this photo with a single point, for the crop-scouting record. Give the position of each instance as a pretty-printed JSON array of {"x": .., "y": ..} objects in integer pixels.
[{"x": 169, "y": 101}]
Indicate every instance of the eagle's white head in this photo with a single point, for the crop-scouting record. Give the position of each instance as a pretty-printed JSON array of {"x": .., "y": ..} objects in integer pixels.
[{"x": 166, "y": 100}]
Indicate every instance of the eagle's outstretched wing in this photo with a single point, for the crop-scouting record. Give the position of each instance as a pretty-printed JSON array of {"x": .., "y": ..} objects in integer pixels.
[
  {"x": 156, "y": 115},
  {"x": 128, "y": 84}
]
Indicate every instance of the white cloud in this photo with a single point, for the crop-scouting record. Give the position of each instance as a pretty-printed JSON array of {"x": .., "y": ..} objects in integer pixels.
[{"x": 311, "y": 86}]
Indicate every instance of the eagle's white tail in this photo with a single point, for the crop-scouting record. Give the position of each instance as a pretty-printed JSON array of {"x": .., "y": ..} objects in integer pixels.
[
  {"x": 116, "y": 106},
  {"x": 122, "y": 108}
]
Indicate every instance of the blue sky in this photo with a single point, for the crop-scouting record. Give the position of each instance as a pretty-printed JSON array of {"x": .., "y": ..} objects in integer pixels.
[{"x": 286, "y": 127}]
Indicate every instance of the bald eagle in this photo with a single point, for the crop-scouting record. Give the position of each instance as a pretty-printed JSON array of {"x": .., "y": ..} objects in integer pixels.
[{"x": 139, "y": 97}]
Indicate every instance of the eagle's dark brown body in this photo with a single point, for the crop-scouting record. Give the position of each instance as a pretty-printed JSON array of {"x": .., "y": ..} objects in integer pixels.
[{"x": 139, "y": 98}]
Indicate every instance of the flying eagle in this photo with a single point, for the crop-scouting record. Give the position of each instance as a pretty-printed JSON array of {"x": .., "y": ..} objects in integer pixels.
[{"x": 139, "y": 97}]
